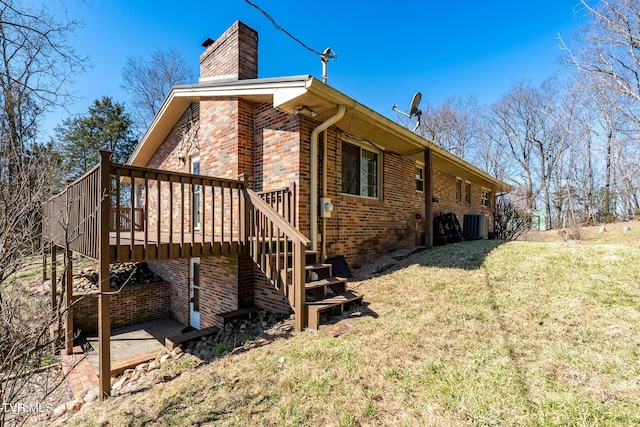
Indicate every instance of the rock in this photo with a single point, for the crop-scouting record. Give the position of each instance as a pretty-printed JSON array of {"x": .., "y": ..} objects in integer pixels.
[
  {"x": 142, "y": 367},
  {"x": 119, "y": 383},
  {"x": 160, "y": 355},
  {"x": 92, "y": 395},
  {"x": 60, "y": 410},
  {"x": 164, "y": 358},
  {"x": 176, "y": 351},
  {"x": 626, "y": 229},
  {"x": 154, "y": 364},
  {"x": 603, "y": 229},
  {"x": 75, "y": 405}
]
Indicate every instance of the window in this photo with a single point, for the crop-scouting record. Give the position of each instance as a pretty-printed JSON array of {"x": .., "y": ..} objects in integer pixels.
[
  {"x": 195, "y": 169},
  {"x": 458, "y": 190},
  {"x": 419, "y": 178},
  {"x": 486, "y": 195},
  {"x": 467, "y": 192},
  {"x": 359, "y": 171}
]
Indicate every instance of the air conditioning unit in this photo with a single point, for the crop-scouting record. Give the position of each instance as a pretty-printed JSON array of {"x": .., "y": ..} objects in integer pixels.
[{"x": 476, "y": 227}]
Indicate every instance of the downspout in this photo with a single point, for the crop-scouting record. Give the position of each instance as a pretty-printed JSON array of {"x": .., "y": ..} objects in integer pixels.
[{"x": 313, "y": 179}]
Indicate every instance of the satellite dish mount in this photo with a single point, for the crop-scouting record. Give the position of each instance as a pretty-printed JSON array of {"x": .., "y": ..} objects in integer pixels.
[
  {"x": 327, "y": 56},
  {"x": 414, "y": 111}
]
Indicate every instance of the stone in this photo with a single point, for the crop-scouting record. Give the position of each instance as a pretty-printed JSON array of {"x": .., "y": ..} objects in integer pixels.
[
  {"x": 92, "y": 395},
  {"x": 160, "y": 355},
  {"x": 75, "y": 405},
  {"x": 119, "y": 383},
  {"x": 176, "y": 351},
  {"x": 603, "y": 229},
  {"x": 154, "y": 364},
  {"x": 626, "y": 229},
  {"x": 60, "y": 410},
  {"x": 142, "y": 367},
  {"x": 164, "y": 358}
]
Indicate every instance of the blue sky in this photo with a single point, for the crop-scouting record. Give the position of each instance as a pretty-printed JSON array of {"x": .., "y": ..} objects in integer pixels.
[{"x": 386, "y": 50}]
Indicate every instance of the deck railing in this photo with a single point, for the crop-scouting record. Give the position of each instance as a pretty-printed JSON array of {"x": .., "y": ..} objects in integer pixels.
[
  {"x": 278, "y": 249},
  {"x": 179, "y": 215},
  {"x": 174, "y": 209},
  {"x": 71, "y": 217},
  {"x": 283, "y": 201},
  {"x": 175, "y": 215},
  {"x": 123, "y": 217}
]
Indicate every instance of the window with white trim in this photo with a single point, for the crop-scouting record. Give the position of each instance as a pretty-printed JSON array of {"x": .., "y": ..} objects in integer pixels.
[
  {"x": 419, "y": 178},
  {"x": 485, "y": 198},
  {"x": 360, "y": 174}
]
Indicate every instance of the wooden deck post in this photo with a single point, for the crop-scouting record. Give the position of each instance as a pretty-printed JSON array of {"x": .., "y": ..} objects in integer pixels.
[
  {"x": 68, "y": 300},
  {"x": 44, "y": 261},
  {"x": 104, "y": 299},
  {"x": 428, "y": 199},
  {"x": 298, "y": 282},
  {"x": 54, "y": 288}
]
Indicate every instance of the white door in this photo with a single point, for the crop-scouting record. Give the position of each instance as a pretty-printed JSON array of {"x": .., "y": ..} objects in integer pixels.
[{"x": 194, "y": 293}]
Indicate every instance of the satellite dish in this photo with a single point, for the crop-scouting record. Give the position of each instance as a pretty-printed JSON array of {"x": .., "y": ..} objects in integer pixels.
[
  {"x": 413, "y": 109},
  {"x": 415, "y": 101}
]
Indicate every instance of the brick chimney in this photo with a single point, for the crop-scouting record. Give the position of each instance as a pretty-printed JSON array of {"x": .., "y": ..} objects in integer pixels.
[{"x": 233, "y": 56}]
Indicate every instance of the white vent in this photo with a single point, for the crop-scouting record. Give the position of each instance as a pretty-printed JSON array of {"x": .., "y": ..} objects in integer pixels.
[{"x": 476, "y": 227}]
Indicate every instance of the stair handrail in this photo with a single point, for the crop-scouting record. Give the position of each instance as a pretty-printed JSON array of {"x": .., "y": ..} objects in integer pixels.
[
  {"x": 299, "y": 242},
  {"x": 274, "y": 216}
]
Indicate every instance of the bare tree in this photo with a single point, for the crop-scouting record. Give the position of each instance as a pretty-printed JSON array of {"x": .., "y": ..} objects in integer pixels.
[
  {"x": 511, "y": 123},
  {"x": 36, "y": 63},
  {"x": 148, "y": 82},
  {"x": 452, "y": 125}
]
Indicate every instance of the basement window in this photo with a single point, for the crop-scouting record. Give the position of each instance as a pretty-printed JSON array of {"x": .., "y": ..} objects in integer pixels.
[{"x": 359, "y": 171}]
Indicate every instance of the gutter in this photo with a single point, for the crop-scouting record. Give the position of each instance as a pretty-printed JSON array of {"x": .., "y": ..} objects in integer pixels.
[{"x": 313, "y": 179}]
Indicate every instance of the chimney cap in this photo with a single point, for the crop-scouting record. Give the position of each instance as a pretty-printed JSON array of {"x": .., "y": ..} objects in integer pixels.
[{"x": 208, "y": 42}]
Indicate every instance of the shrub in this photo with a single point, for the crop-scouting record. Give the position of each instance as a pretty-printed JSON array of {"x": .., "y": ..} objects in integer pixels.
[{"x": 509, "y": 221}]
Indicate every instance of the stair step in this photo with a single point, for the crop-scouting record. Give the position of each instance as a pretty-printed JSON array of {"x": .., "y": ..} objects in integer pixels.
[
  {"x": 342, "y": 302},
  {"x": 311, "y": 257},
  {"x": 324, "y": 282},
  {"x": 322, "y": 288}
]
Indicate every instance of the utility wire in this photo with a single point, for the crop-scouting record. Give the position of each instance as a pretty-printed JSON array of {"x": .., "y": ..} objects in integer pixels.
[{"x": 275, "y": 24}]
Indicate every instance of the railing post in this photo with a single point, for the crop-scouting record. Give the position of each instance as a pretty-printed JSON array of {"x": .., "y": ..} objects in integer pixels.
[
  {"x": 54, "y": 287},
  {"x": 244, "y": 210},
  {"x": 68, "y": 300},
  {"x": 104, "y": 299},
  {"x": 299, "y": 280}
]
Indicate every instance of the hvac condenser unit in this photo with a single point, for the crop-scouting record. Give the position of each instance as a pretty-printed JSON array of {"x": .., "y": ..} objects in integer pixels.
[{"x": 476, "y": 227}]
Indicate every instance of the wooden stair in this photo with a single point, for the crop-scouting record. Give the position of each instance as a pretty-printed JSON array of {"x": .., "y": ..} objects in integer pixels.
[{"x": 325, "y": 293}]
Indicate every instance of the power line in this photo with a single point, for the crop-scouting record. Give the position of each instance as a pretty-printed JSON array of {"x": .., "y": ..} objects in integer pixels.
[{"x": 279, "y": 27}]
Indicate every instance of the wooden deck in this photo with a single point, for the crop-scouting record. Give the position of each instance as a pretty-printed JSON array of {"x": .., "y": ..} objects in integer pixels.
[{"x": 121, "y": 213}]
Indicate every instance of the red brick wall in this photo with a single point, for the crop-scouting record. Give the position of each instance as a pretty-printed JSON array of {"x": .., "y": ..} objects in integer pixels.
[
  {"x": 444, "y": 188},
  {"x": 233, "y": 55},
  {"x": 176, "y": 272},
  {"x": 133, "y": 304},
  {"x": 361, "y": 227}
]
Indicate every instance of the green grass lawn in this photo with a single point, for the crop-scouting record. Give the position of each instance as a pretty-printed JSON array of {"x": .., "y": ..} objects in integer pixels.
[{"x": 476, "y": 333}]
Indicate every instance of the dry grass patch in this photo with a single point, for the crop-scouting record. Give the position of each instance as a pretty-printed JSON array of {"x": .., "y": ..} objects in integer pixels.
[{"x": 476, "y": 333}]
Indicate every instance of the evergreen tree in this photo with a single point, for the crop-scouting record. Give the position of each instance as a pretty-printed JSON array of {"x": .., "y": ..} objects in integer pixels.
[{"x": 106, "y": 126}]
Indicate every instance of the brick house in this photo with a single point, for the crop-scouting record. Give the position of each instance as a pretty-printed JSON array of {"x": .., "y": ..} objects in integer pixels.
[{"x": 243, "y": 186}]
